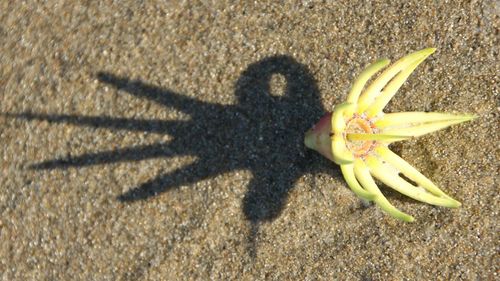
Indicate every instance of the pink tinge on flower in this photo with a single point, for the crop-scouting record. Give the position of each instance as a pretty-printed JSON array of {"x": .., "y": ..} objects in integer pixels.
[{"x": 319, "y": 136}]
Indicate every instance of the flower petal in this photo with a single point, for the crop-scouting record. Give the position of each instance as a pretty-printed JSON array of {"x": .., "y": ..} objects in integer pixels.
[
  {"x": 363, "y": 175},
  {"x": 393, "y": 86},
  {"x": 338, "y": 121},
  {"x": 394, "y": 181},
  {"x": 348, "y": 172},
  {"x": 360, "y": 82},
  {"x": 408, "y": 170},
  {"x": 422, "y": 129},
  {"x": 404, "y": 64},
  {"x": 341, "y": 155},
  {"x": 407, "y": 118},
  {"x": 378, "y": 137}
]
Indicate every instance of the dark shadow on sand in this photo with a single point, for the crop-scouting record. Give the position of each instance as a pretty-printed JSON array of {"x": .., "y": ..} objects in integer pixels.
[{"x": 262, "y": 133}]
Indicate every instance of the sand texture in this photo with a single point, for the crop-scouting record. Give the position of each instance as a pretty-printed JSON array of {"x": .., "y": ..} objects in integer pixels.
[{"x": 163, "y": 140}]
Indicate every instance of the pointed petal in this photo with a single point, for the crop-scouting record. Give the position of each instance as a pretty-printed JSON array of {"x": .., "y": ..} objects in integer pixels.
[
  {"x": 339, "y": 149},
  {"x": 393, "y": 86},
  {"x": 378, "y": 137},
  {"x": 399, "y": 184},
  {"x": 363, "y": 175},
  {"x": 374, "y": 89},
  {"x": 348, "y": 172},
  {"x": 405, "y": 118},
  {"x": 338, "y": 121},
  {"x": 360, "y": 82},
  {"x": 408, "y": 170},
  {"x": 420, "y": 130},
  {"x": 341, "y": 155}
]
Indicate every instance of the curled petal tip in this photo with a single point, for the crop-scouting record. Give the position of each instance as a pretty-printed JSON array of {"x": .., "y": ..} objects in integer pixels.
[
  {"x": 429, "y": 50},
  {"x": 470, "y": 117},
  {"x": 454, "y": 203},
  {"x": 405, "y": 218},
  {"x": 352, "y": 182}
]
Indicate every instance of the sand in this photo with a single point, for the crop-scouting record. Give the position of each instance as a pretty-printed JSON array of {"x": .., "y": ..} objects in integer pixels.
[{"x": 163, "y": 140}]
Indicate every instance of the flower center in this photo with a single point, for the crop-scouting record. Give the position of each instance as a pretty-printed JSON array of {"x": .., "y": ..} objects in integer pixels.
[{"x": 360, "y": 124}]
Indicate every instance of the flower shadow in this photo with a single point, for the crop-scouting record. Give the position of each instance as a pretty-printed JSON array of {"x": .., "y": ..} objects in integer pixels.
[{"x": 261, "y": 133}]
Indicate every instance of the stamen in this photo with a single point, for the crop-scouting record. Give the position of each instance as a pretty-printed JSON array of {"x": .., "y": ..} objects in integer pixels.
[{"x": 359, "y": 125}]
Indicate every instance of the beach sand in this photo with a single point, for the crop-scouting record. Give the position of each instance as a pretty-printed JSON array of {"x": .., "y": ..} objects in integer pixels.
[{"x": 158, "y": 140}]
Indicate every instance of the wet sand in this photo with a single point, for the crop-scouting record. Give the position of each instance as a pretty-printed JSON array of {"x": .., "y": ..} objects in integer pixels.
[{"x": 165, "y": 141}]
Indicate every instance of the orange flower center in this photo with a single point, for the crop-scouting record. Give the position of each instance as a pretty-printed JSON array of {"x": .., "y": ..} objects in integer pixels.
[{"x": 360, "y": 124}]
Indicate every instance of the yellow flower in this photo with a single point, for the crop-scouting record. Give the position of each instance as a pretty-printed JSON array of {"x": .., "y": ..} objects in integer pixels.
[{"x": 357, "y": 134}]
